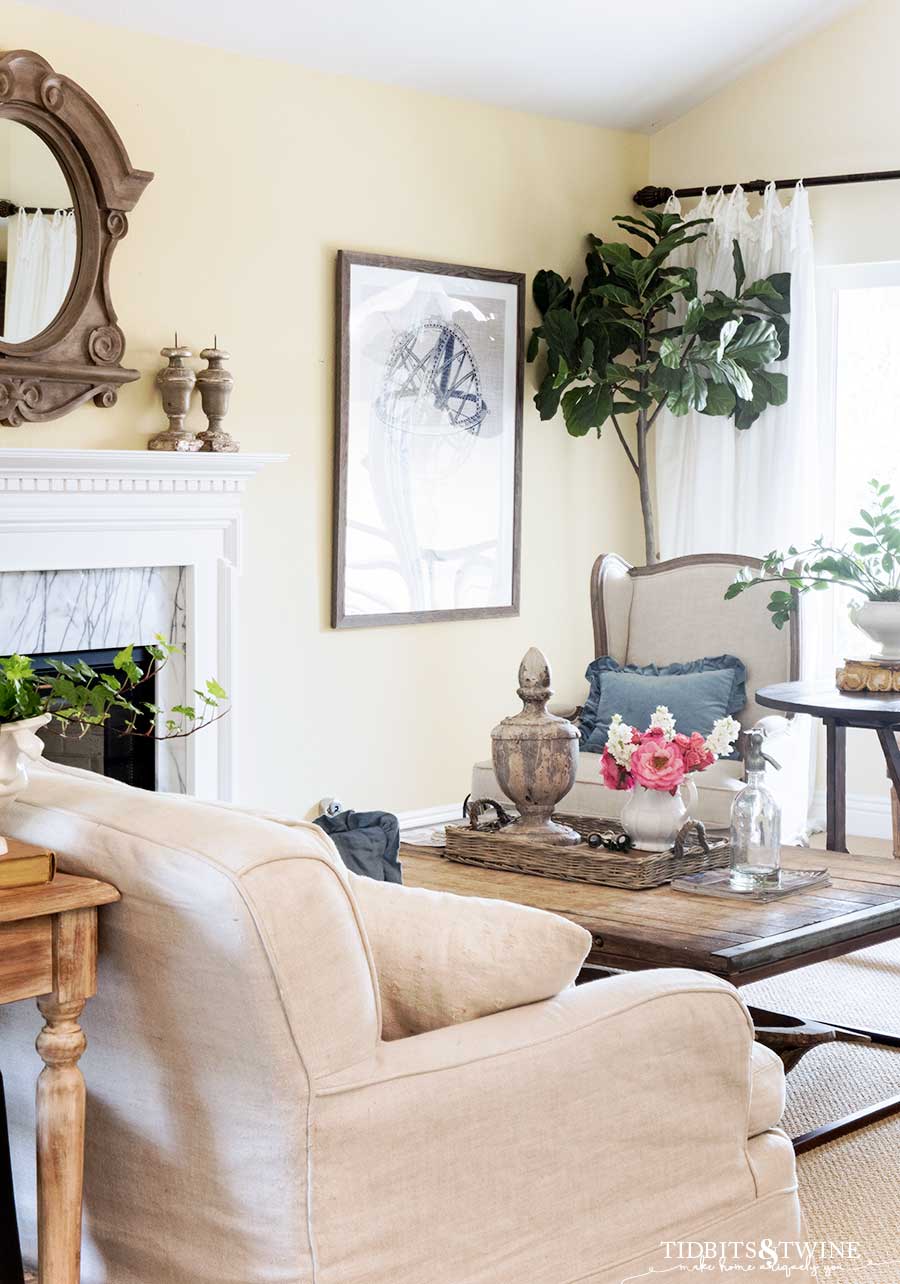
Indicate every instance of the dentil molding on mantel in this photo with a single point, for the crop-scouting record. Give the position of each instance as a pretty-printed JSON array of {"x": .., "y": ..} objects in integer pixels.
[{"x": 36, "y": 469}]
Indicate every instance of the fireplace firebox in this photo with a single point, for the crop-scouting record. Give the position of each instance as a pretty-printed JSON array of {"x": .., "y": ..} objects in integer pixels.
[{"x": 107, "y": 750}]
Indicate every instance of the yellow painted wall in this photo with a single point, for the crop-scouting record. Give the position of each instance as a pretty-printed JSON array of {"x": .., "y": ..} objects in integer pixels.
[
  {"x": 263, "y": 171},
  {"x": 830, "y": 105}
]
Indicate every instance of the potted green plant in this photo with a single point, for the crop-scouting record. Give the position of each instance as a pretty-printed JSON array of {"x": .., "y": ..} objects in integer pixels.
[
  {"x": 79, "y": 698},
  {"x": 614, "y": 350},
  {"x": 870, "y": 566}
]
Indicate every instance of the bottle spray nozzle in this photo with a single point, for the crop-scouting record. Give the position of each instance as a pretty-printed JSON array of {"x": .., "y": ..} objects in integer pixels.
[{"x": 755, "y": 758}]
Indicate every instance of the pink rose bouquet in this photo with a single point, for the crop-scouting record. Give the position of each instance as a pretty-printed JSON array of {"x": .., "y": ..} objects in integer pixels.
[{"x": 660, "y": 758}]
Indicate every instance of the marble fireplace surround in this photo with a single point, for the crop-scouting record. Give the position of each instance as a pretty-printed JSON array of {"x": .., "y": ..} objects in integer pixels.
[{"x": 103, "y": 547}]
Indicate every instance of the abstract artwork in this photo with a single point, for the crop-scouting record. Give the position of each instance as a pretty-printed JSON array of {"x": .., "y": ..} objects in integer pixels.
[{"x": 428, "y": 444}]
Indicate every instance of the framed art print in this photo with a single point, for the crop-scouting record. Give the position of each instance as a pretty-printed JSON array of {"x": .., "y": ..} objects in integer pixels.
[{"x": 428, "y": 450}]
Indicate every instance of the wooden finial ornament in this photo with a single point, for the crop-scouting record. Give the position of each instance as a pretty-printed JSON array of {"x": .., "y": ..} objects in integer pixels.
[{"x": 535, "y": 757}]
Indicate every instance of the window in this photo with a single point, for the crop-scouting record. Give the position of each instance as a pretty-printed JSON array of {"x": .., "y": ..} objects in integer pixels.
[{"x": 859, "y": 404}]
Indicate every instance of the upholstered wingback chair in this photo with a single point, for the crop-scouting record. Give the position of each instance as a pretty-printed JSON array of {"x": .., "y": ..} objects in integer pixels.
[
  {"x": 249, "y": 1123},
  {"x": 675, "y": 611}
]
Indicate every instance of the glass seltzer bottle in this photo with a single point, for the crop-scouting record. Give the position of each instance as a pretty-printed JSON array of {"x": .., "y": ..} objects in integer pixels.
[{"x": 755, "y": 825}]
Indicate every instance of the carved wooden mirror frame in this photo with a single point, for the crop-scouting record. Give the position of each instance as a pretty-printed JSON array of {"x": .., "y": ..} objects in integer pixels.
[{"x": 77, "y": 356}]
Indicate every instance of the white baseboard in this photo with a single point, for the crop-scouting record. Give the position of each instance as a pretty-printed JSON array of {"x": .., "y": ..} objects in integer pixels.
[
  {"x": 430, "y": 816},
  {"x": 868, "y": 815}
]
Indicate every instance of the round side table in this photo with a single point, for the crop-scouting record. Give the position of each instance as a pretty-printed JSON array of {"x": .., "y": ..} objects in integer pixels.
[{"x": 840, "y": 710}]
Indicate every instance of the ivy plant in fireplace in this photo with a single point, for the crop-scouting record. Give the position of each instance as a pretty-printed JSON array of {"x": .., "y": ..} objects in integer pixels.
[
  {"x": 104, "y": 748},
  {"x": 99, "y": 710}
]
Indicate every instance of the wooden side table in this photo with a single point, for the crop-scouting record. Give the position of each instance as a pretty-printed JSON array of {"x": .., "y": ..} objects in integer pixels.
[
  {"x": 48, "y": 951},
  {"x": 840, "y": 710}
]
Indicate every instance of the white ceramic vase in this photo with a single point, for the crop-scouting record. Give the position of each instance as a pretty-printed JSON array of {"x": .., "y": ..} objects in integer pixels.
[
  {"x": 880, "y": 621},
  {"x": 652, "y": 817},
  {"x": 19, "y": 745},
  {"x": 689, "y": 795}
]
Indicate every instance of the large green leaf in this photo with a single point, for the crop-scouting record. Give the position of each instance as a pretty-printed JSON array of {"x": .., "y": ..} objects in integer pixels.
[
  {"x": 720, "y": 399},
  {"x": 693, "y": 387},
  {"x": 754, "y": 344},
  {"x": 644, "y": 269},
  {"x": 586, "y": 407},
  {"x": 783, "y": 334},
  {"x": 738, "y": 378},
  {"x": 781, "y": 282},
  {"x": 775, "y": 385},
  {"x": 621, "y": 257},
  {"x": 549, "y": 290},
  {"x": 726, "y": 334},
  {"x": 636, "y": 227},
  {"x": 694, "y": 316},
  {"x": 664, "y": 223},
  {"x": 547, "y": 397},
  {"x": 616, "y": 294},
  {"x": 740, "y": 272},
  {"x": 679, "y": 237},
  {"x": 762, "y": 290},
  {"x": 670, "y": 351},
  {"x": 560, "y": 329},
  {"x": 669, "y": 287},
  {"x": 534, "y": 343}
]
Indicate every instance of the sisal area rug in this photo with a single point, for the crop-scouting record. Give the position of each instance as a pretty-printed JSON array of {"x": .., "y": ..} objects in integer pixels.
[{"x": 850, "y": 1189}]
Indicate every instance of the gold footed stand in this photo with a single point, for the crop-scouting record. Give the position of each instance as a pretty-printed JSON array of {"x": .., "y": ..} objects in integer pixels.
[{"x": 881, "y": 677}]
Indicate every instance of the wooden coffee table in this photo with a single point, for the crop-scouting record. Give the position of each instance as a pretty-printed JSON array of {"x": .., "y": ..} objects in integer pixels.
[{"x": 740, "y": 942}]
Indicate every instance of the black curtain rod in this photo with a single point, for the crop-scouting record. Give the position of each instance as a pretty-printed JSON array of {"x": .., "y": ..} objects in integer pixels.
[
  {"x": 8, "y": 208},
  {"x": 648, "y": 197}
]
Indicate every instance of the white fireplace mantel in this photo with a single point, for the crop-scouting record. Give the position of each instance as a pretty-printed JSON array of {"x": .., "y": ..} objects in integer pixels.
[{"x": 106, "y": 509}]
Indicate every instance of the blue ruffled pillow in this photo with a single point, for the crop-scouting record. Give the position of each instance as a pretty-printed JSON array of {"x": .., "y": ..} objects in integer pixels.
[{"x": 697, "y": 693}]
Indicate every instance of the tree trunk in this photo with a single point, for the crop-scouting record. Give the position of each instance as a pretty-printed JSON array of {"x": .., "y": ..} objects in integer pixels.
[{"x": 651, "y": 552}]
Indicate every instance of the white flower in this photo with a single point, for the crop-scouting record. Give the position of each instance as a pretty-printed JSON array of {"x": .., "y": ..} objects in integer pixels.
[
  {"x": 618, "y": 742},
  {"x": 662, "y": 718},
  {"x": 720, "y": 740}
]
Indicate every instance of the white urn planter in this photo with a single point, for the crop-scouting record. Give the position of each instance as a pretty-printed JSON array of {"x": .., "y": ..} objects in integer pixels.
[
  {"x": 19, "y": 745},
  {"x": 880, "y": 621},
  {"x": 652, "y": 817}
]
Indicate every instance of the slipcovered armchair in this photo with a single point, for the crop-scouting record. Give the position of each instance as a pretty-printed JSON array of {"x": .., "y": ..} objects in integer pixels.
[
  {"x": 249, "y": 1123},
  {"x": 675, "y": 611}
]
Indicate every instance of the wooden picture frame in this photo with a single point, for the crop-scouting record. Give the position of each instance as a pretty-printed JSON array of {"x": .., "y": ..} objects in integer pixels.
[{"x": 430, "y": 363}]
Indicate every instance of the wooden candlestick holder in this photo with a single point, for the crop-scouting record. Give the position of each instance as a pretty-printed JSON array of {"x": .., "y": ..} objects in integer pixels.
[
  {"x": 215, "y": 384},
  {"x": 176, "y": 383}
]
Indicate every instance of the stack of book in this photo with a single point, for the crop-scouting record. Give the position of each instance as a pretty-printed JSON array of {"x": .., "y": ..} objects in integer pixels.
[
  {"x": 24, "y": 865},
  {"x": 717, "y": 882}
]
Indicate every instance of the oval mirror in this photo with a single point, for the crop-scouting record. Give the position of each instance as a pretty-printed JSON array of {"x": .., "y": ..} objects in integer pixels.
[{"x": 38, "y": 234}]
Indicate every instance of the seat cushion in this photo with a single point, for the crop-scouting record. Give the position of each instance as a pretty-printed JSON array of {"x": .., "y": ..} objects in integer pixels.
[
  {"x": 716, "y": 788},
  {"x": 766, "y": 1090}
]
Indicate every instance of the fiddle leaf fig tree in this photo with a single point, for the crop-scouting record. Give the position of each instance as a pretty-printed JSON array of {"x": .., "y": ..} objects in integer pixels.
[{"x": 615, "y": 350}]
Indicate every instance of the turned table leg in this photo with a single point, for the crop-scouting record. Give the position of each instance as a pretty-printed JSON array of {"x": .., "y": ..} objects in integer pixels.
[
  {"x": 61, "y": 1098},
  {"x": 60, "y": 1141}
]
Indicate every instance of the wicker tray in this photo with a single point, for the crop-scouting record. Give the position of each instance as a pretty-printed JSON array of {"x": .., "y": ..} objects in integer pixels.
[{"x": 636, "y": 870}]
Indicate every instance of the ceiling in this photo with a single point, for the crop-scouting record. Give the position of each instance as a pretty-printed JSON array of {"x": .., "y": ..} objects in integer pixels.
[{"x": 633, "y": 65}]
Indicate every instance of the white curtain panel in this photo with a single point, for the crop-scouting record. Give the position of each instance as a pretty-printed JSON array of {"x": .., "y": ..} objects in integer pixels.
[
  {"x": 40, "y": 262},
  {"x": 721, "y": 489},
  {"x": 724, "y": 490}
]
